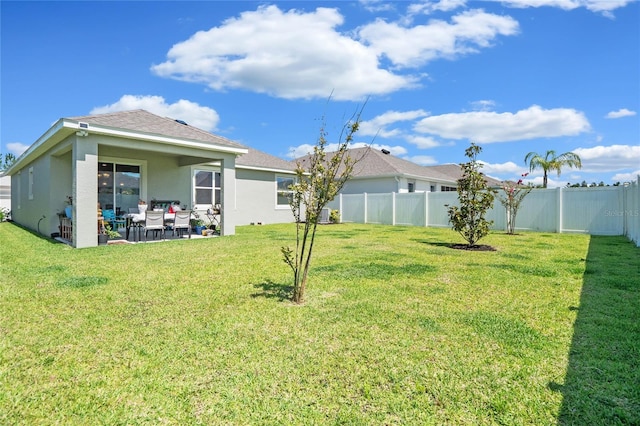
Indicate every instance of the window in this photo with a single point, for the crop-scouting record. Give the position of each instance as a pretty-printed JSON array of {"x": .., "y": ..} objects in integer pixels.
[
  {"x": 283, "y": 190},
  {"x": 411, "y": 187},
  {"x": 31, "y": 183},
  {"x": 207, "y": 187},
  {"x": 118, "y": 186},
  {"x": 448, "y": 188}
]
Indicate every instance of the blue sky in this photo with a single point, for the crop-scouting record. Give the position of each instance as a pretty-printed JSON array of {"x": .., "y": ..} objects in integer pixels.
[{"x": 514, "y": 76}]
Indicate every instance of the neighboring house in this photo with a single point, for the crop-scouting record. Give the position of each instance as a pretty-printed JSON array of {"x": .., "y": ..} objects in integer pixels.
[
  {"x": 5, "y": 192},
  {"x": 455, "y": 172},
  {"x": 377, "y": 171},
  {"x": 118, "y": 158}
]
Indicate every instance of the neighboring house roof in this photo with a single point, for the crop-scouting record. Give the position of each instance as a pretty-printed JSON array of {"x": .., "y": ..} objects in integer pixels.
[
  {"x": 455, "y": 171},
  {"x": 143, "y": 121},
  {"x": 255, "y": 159},
  {"x": 375, "y": 163}
]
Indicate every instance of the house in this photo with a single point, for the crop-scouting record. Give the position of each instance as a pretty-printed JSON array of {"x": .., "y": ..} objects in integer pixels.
[
  {"x": 5, "y": 192},
  {"x": 455, "y": 172},
  {"x": 377, "y": 171},
  {"x": 117, "y": 159}
]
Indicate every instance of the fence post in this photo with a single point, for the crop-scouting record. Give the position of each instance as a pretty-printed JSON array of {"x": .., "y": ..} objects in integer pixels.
[
  {"x": 426, "y": 209},
  {"x": 393, "y": 209},
  {"x": 559, "y": 215},
  {"x": 365, "y": 207},
  {"x": 340, "y": 207}
]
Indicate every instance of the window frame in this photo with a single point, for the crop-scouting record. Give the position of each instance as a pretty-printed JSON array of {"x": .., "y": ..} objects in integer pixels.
[{"x": 279, "y": 177}]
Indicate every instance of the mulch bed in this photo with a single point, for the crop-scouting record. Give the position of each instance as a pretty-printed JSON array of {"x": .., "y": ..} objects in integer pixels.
[{"x": 477, "y": 247}]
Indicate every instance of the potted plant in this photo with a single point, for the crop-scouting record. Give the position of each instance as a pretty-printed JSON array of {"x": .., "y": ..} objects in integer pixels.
[
  {"x": 197, "y": 223},
  {"x": 107, "y": 234}
]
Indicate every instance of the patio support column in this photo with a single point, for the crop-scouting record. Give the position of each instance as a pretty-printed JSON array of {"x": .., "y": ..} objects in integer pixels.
[
  {"x": 85, "y": 191},
  {"x": 228, "y": 195}
]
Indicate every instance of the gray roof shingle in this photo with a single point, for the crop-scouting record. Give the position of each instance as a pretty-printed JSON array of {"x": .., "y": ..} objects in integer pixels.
[{"x": 146, "y": 122}]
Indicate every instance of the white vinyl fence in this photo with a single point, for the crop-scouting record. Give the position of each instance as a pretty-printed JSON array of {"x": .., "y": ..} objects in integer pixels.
[{"x": 610, "y": 210}]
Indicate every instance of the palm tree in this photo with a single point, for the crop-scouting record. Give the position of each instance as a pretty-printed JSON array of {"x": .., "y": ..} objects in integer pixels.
[{"x": 551, "y": 162}]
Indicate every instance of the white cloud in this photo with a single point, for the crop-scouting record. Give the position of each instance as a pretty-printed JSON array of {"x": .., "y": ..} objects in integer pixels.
[
  {"x": 377, "y": 125},
  {"x": 509, "y": 168},
  {"x": 377, "y": 5},
  {"x": 626, "y": 177},
  {"x": 423, "y": 160},
  {"x": 196, "y": 115},
  {"x": 604, "y": 6},
  {"x": 620, "y": 113},
  {"x": 609, "y": 158},
  {"x": 489, "y": 127},
  {"x": 17, "y": 148},
  {"x": 418, "y": 45},
  {"x": 483, "y": 105},
  {"x": 422, "y": 142},
  {"x": 428, "y": 7},
  {"x": 311, "y": 59}
]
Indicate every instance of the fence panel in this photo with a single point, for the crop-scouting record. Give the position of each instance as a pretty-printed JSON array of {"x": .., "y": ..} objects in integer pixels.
[
  {"x": 380, "y": 208},
  {"x": 632, "y": 211},
  {"x": 352, "y": 208},
  {"x": 411, "y": 208},
  {"x": 539, "y": 211},
  {"x": 436, "y": 202},
  {"x": 595, "y": 211}
]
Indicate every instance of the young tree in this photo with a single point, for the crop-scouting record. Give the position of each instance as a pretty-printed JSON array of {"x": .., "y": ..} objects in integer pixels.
[
  {"x": 475, "y": 199},
  {"x": 514, "y": 193},
  {"x": 319, "y": 178},
  {"x": 551, "y": 162}
]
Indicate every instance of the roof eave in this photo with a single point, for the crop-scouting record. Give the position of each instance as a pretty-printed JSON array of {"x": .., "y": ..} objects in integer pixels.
[{"x": 152, "y": 137}]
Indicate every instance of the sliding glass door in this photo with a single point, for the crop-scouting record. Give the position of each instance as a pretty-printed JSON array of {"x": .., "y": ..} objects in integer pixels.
[{"x": 118, "y": 186}]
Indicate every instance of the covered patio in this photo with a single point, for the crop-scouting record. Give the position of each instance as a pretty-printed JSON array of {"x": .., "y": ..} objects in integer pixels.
[{"x": 116, "y": 161}]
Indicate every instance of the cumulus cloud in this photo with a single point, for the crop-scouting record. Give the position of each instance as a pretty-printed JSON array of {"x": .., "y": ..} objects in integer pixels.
[
  {"x": 620, "y": 113},
  {"x": 378, "y": 125},
  {"x": 423, "y": 160},
  {"x": 609, "y": 158},
  {"x": 420, "y": 44},
  {"x": 489, "y": 127},
  {"x": 17, "y": 148},
  {"x": 196, "y": 115},
  {"x": 603, "y": 6},
  {"x": 429, "y": 7},
  {"x": 422, "y": 142},
  {"x": 311, "y": 59},
  {"x": 626, "y": 177},
  {"x": 509, "y": 168}
]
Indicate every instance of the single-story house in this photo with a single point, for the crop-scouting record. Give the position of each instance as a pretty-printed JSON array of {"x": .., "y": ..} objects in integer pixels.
[
  {"x": 117, "y": 159},
  {"x": 377, "y": 171},
  {"x": 5, "y": 192}
]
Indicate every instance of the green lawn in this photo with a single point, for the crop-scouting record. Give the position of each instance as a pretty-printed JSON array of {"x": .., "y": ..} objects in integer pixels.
[{"x": 398, "y": 328}]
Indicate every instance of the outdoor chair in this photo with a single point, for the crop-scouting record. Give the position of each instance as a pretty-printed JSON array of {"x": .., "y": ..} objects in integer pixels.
[
  {"x": 181, "y": 222},
  {"x": 154, "y": 221}
]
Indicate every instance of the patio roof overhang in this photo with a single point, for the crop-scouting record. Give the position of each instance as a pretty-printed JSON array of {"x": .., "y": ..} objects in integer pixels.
[{"x": 65, "y": 127}]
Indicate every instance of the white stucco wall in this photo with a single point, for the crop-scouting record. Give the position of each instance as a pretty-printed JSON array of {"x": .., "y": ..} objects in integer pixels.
[
  {"x": 256, "y": 199},
  {"x": 5, "y": 192}
]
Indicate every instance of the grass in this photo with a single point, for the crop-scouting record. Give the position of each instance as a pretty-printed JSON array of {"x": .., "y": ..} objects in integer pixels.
[{"x": 398, "y": 328}]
